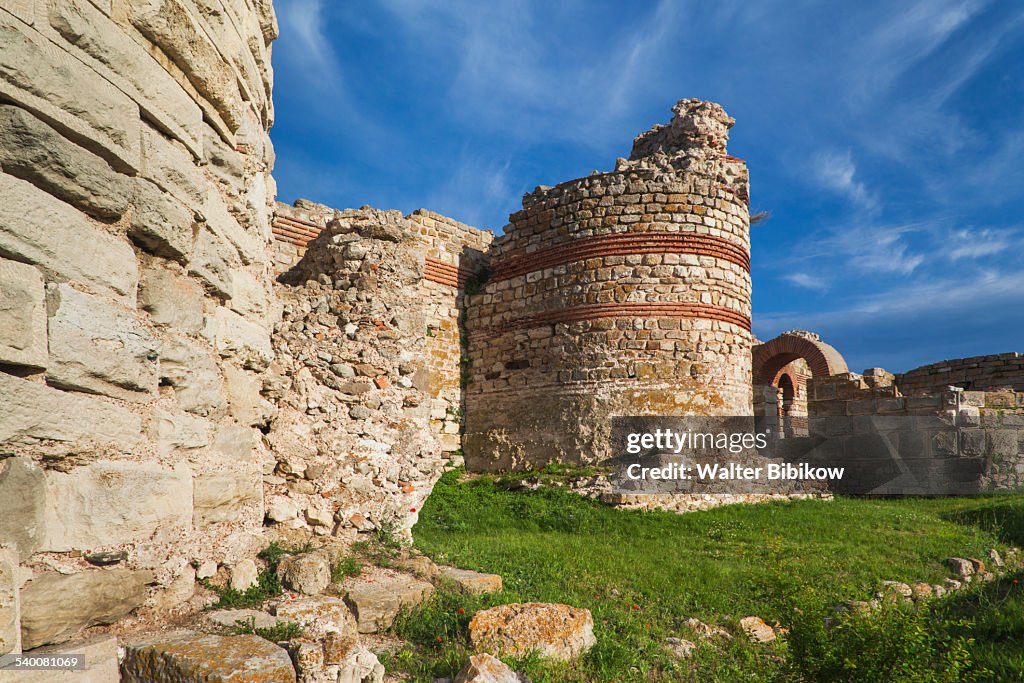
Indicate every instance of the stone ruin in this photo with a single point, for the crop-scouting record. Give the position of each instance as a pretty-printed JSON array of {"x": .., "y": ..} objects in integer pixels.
[{"x": 189, "y": 369}]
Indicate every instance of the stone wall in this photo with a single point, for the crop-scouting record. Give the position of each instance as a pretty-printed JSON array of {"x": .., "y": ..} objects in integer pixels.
[
  {"x": 294, "y": 227},
  {"x": 977, "y": 435},
  {"x": 366, "y": 377},
  {"x": 135, "y": 302},
  {"x": 976, "y": 373},
  {"x": 620, "y": 293}
]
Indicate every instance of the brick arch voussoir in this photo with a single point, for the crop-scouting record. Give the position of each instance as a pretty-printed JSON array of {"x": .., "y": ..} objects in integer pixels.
[{"x": 768, "y": 358}]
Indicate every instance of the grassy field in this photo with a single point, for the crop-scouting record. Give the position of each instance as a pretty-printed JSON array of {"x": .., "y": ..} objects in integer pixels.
[{"x": 642, "y": 574}]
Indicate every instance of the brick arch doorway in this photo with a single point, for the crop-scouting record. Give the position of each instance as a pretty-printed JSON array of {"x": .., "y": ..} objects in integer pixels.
[{"x": 781, "y": 369}]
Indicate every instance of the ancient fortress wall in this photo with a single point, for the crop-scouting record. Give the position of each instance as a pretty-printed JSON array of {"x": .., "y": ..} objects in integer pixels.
[
  {"x": 135, "y": 302},
  {"x": 616, "y": 294},
  {"x": 976, "y": 373}
]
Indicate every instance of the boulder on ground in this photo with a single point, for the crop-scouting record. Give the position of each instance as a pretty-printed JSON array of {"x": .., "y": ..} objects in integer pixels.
[
  {"x": 100, "y": 663},
  {"x": 961, "y": 567},
  {"x": 679, "y": 647},
  {"x": 308, "y": 573},
  {"x": 376, "y": 604},
  {"x": 318, "y": 616},
  {"x": 706, "y": 631},
  {"x": 186, "y": 657},
  {"x": 485, "y": 668},
  {"x": 230, "y": 617},
  {"x": 553, "y": 630},
  {"x": 472, "y": 582},
  {"x": 757, "y": 630}
]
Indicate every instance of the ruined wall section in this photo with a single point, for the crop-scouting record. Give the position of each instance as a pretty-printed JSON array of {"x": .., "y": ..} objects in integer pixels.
[
  {"x": 622, "y": 293},
  {"x": 352, "y": 382},
  {"x": 975, "y": 373},
  {"x": 294, "y": 227},
  {"x": 135, "y": 301},
  {"x": 456, "y": 259}
]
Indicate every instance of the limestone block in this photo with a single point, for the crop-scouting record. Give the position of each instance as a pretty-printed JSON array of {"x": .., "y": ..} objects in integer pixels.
[
  {"x": 33, "y": 151},
  {"x": 470, "y": 581},
  {"x": 220, "y": 497},
  {"x": 54, "y": 607},
  {"x": 22, "y": 502},
  {"x": 22, "y": 314},
  {"x": 193, "y": 658},
  {"x": 99, "y": 348},
  {"x": 178, "y": 432},
  {"x": 160, "y": 223},
  {"x": 757, "y": 630},
  {"x": 486, "y": 668},
  {"x": 101, "y": 664},
  {"x": 235, "y": 337},
  {"x": 223, "y": 161},
  {"x": 230, "y": 617},
  {"x": 282, "y": 509},
  {"x": 360, "y": 666},
  {"x": 318, "y": 615},
  {"x": 114, "y": 502},
  {"x": 34, "y": 411},
  {"x": 39, "y": 229},
  {"x": 308, "y": 573},
  {"x": 375, "y": 605},
  {"x": 212, "y": 261},
  {"x": 250, "y": 247},
  {"x": 10, "y": 602},
  {"x": 172, "y": 169},
  {"x": 193, "y": 373},
  {"x": 175, "y": 30},
  {"x": 554, "y": 630},
  {"x": 244, "y": 574},
  {"x": 171, "y": 300},
  {"x": 250, "y": 297},
  {"x": 244, "y": 401},
  {"x": 42, "y": 78},
  {"x": 132, "y": 68},
  {"x": 235, "y": 443},
  {"x": 23, "y": 9}
]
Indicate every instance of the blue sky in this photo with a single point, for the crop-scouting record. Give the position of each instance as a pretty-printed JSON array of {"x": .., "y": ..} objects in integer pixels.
[{"x": 885, "y": 138}]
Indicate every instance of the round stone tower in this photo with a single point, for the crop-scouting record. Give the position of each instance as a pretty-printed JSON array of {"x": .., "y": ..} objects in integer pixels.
[{"x": 622, "y": 293}]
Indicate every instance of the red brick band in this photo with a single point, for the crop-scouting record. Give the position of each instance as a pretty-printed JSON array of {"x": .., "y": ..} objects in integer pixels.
[
  {"x": 623, "y": 244},
  {"x": 445, "y": 273},
  {"x": 294, "y": 231},
  {"x": 639, "y": 309}
]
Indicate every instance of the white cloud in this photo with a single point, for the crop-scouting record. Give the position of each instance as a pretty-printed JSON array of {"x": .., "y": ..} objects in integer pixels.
[
  {"x": 807, "y": 281},
  {"x": 836, "y": 171}
]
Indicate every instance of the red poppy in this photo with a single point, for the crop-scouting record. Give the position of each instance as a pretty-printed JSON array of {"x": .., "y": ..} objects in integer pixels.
[{"x": 462, "y": 611}]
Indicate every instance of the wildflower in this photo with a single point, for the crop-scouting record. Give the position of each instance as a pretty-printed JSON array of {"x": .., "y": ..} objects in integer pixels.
[
  {"x": 439, "y": 639},
  {"x": 462, "y": 611},
  {"x": 636, "y": 606}
]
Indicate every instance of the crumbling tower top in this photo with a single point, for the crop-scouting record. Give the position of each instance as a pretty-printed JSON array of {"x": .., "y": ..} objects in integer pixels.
[{"x": 698, "y": 127}]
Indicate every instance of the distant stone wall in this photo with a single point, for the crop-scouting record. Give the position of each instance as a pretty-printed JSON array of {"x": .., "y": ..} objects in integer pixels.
[
  {"x": 1004, "y": 370},
  {"x": 294, "y": 227},
  {"x": 135, "y": 302},
  {"x": 616, "y": 294},
  {"x": 980, "y": 436}
]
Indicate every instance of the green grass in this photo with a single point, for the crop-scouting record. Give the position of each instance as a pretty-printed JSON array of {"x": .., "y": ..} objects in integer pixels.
[
  {"x": 643, "y": 573},
  {"x": 279, "y": 632}
]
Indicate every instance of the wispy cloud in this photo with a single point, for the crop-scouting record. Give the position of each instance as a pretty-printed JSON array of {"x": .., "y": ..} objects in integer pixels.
[
  {"x": 807, "y": 281},
  {"x": 837, "y": 171}
]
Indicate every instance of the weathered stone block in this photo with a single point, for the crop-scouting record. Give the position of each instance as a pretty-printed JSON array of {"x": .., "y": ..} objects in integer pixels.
[
  {"x": 41, "y": 77},
  {"x": 111, "y": 502},
  {"x": 160, "y": 223},
  {"x": 235, "y": 337},
  {"x": 54, "y": 607},
  {"x": 33, "y": 151},
  {"x": 173, "y": 28},
  {"x": 101, "y": 664},
  {"x": 236, "y": 443},
  {"x": 470, "y": 581},
  {"x": 172, "y": 169},
  {"x": 178, "y": 432},
  {"x": 212, "y": 261},
  {"x": 220, "y": 497},
  {"x": 22, "y": 502},
  {"x": 99, "y": 348},
  {"x": 308, "y": 573},
  {"x": 193, "y": 373},
  {"x": 486, "y": 668},
  {"x": 318, "y": 616},
  {"x": 10, "y": 602},
  {"x": 39, "y": 229},
  {"x": 553, "y": 630},
  {"x": 34, "y": 411},
  {"x": 376, "y": 605},
  {"x": 194, "y": 658},
  {"x": 171, "y": 300},
  {"x": 22, "y": 314},
  {"x": 129, "y": 65},
  {"x": 244, "y": 401},
  {"x": 251, "y": 248}
]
